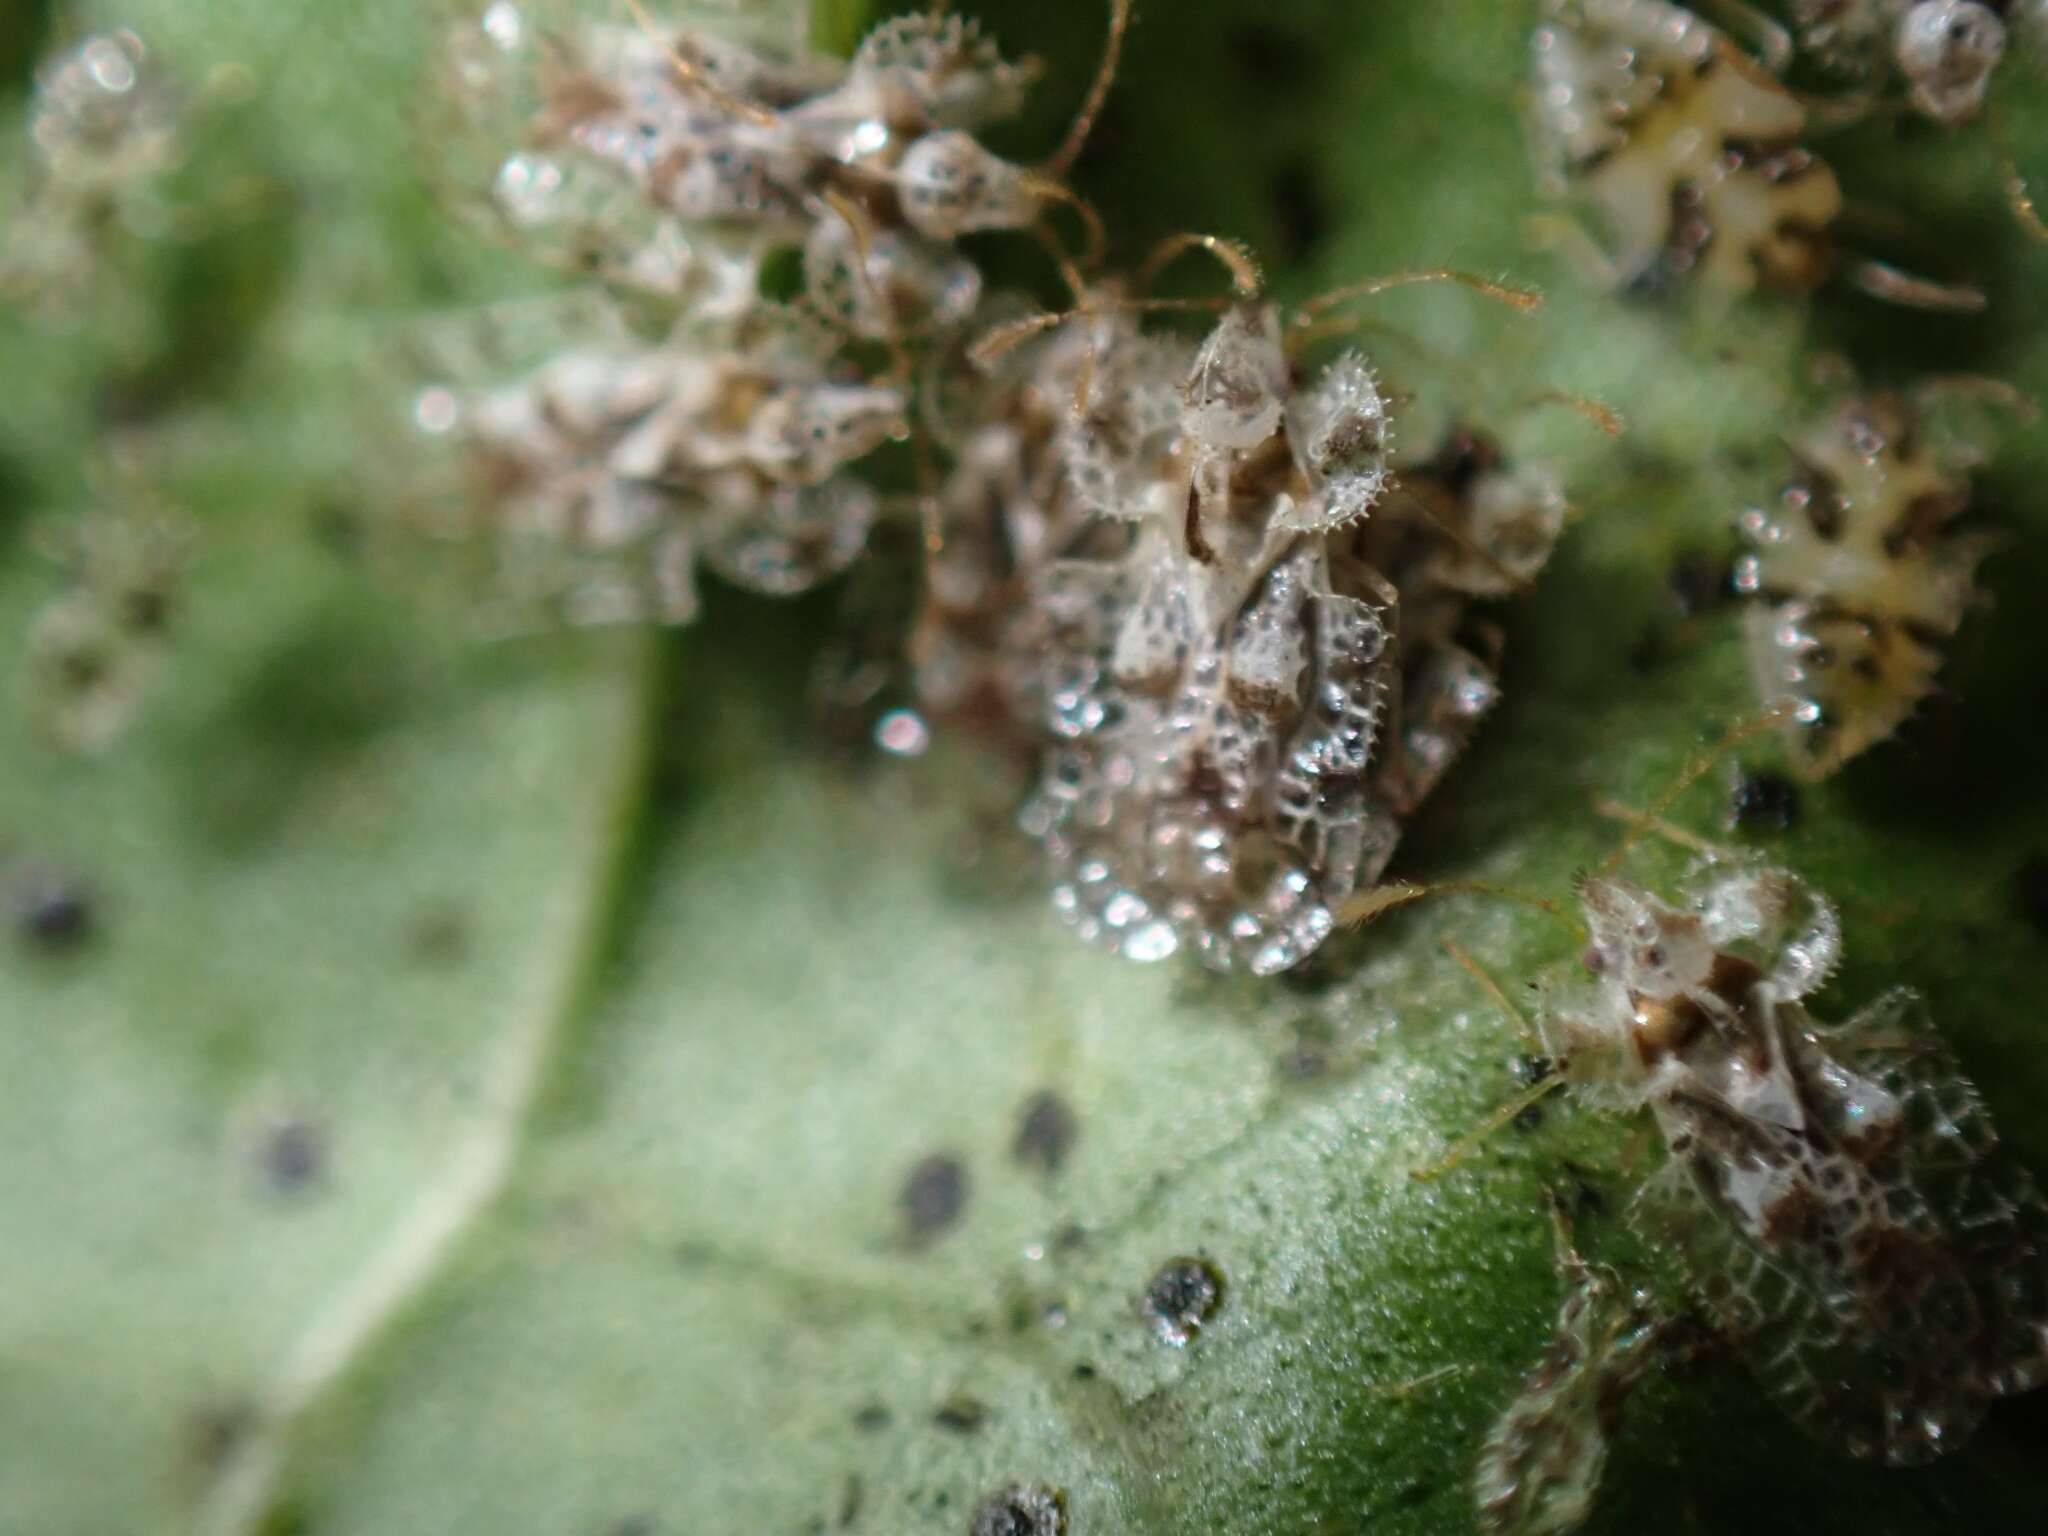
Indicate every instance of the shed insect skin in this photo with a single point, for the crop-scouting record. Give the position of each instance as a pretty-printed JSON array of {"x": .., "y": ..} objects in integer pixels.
[
  {"x": 1944, "y": 53},
  {"x": 669, "y": 164},
  {"x": 608, "y": 475},
  {"x": 670, "y": 161}
]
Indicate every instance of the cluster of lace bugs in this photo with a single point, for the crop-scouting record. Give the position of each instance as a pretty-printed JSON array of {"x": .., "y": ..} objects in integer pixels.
[
  {"x": 1252, "y": 646},
  {"x": 1686, "y": 148},
  {"x": 677, "y": 166},
  {"x": 1689, "y": 153},
  {"x": 1835, "y": 1192},
  {"x": 1248, "y": 649},
  {"x": 675, "y": 160},
  {"x": 1153, "y": 555},
  {"x": 608, "y": 474}
]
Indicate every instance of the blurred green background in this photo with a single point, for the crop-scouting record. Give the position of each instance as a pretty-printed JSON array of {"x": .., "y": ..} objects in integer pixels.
[{"x": 483, "y": 1092}]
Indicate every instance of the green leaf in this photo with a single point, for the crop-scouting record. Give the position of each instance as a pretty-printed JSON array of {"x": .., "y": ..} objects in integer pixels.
[{"x": 487, "y": 1097}]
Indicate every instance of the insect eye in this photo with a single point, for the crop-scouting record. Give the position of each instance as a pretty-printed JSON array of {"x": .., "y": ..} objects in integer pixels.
[
  {"x": 1654, "y": 957},
  {"x": 1595, "y": 961}
]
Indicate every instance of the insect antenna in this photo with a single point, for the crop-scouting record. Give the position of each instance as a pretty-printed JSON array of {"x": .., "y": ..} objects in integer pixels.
[
  {"x": 1300, "y": 338},
  {"x": 1531, "y": 1035},
  {"x": 1671, "y": 832},
  {"x": 1477, "y": 1137},
  {"x": 692, "y": 74},
  {"x": 1527, "y": 300},
  {"x": 1235, "y": 257},
  {"x": 1055, "y": 190},
  {"x": 1064, "y": 264},
  {"x": 1415, "y": 1384},
  {"x": 999, "y": 341},
  {"x": 1881, "y": 280},
  {"x": 1472, "y": 1140},
  {"x": 1698, "y": 768},
  {"x": 1370, "y": 906},
  {"x": 1603, "y": 416},
  {"x": 2017, "y": 197},
  {"x": 1070, "y": 148}
]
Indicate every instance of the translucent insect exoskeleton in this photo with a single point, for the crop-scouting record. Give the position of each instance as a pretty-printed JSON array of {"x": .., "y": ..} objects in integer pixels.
[
  {"x": 1003, "y": 512},
  {"x": 884, "y": 284},
  {"x": 674, "y": 158},
  {"x": 608, "y": 473},
  {"x": 1947, "y": 50},
  {"x": 1539, "y": 1471},
  {"x": 1461, "y": 528},
  {"x": 1235, "y": 719},
  {"x": 1688, "y": 154},
  {"x": 1844, "y": 1216},
  {"x": 1858, "y": 575},
  {"x": 641, "y": 157},
  {"x": 1835, "y": 1189}
]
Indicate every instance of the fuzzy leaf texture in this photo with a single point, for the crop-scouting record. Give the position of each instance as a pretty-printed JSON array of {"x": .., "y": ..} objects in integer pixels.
[{"x": 537, "y": 1086}]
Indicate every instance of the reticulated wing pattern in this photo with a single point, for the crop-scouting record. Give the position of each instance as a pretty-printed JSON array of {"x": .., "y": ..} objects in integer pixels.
[
  {"x": 1947, "y": 1152},
  {"x": 1881, "y": 1281}
]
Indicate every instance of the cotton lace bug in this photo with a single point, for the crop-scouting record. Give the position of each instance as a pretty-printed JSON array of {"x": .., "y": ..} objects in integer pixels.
[
  {"x": 1238, "y": 711},
  {"x": 1835, "y": 1191}
]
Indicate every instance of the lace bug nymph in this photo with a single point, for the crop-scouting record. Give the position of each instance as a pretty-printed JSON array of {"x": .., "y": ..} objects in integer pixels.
[
  {"x": 1858, "y": 577},
  {"x": 1689, "y": 155}
]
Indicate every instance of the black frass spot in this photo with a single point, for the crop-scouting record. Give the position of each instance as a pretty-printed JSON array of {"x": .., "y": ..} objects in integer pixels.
[{"x": 1182, "y": 1298}]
